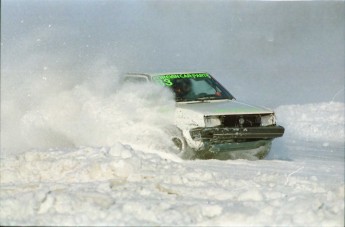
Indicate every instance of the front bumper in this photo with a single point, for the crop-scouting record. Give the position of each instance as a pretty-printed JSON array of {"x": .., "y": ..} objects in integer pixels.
[{"x": 226, "y": 134}]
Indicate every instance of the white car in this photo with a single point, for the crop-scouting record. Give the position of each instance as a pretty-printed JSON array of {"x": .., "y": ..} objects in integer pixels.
[{"x": 210, "y": 122}]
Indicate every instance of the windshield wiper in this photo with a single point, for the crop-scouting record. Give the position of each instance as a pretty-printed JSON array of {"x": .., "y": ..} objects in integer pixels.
[
  {"x": 191, "y": 100},
  {"x": 183, "y": 100},
  {"x": 206, "y": 98},
  {"x": 200, "y": 99}
]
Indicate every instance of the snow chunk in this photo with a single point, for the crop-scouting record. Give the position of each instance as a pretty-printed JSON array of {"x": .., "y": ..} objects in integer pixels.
[{"x": 251, "y": 195}]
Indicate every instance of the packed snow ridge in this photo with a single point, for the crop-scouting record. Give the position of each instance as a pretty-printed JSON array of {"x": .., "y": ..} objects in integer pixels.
[{"x": 142, "y": 182}]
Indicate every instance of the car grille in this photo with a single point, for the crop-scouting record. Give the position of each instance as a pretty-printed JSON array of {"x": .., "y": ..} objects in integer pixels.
[{"x": 252, "y": 120}]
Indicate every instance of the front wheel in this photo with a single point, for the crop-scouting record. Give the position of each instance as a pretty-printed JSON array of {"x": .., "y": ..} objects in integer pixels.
[
  {"x": 176, "y": 136},
  {"x": 180, "y": 143}
]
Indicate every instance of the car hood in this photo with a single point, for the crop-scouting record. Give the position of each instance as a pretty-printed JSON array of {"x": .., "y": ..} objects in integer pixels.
[{"x": 222, "y": 107}]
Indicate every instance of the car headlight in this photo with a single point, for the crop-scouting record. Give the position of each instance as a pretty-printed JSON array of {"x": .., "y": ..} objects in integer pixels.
[
  {"x": 212, "y": 121},
  {"x": 267, "y": 120}
]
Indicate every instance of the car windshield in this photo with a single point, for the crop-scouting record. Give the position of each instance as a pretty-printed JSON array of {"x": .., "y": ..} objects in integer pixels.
[{"x": 193, "y": 87}]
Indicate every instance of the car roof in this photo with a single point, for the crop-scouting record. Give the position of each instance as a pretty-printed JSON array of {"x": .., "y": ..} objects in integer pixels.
[{"x": 159, "y": 74}]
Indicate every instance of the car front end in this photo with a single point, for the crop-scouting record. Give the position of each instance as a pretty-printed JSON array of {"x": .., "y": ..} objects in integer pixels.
[{"x": 228, "y": 129}]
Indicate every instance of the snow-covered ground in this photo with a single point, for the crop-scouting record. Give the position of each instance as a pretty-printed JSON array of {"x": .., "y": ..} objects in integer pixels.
[
  {"x": 139, "y": 182},
  {"x": 78, "y": 149}
]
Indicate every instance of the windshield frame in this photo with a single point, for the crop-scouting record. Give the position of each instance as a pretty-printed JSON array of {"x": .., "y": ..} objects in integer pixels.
[{"x": 226, "y": 95}]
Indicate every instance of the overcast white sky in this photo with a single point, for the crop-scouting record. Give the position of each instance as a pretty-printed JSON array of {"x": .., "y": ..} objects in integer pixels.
[{"x": 267, "y": 53}]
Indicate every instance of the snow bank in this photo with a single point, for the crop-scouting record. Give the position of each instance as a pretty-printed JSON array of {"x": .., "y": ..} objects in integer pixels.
[
  {"x": 120, "y": 185},
  {"x": 322, "y": 122}
]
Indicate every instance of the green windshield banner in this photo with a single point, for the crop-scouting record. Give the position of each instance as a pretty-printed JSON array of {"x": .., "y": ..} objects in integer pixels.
[{"x": 167, "y": 79}]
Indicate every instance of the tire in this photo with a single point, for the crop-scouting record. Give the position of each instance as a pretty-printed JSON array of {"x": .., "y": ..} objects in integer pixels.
[
  {"x": 177, "y": 139},
  {"x": 180, "y": 143}
]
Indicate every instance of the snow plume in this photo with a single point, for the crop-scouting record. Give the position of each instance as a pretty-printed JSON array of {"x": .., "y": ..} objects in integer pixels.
[{"x": 49, "y": 101}]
